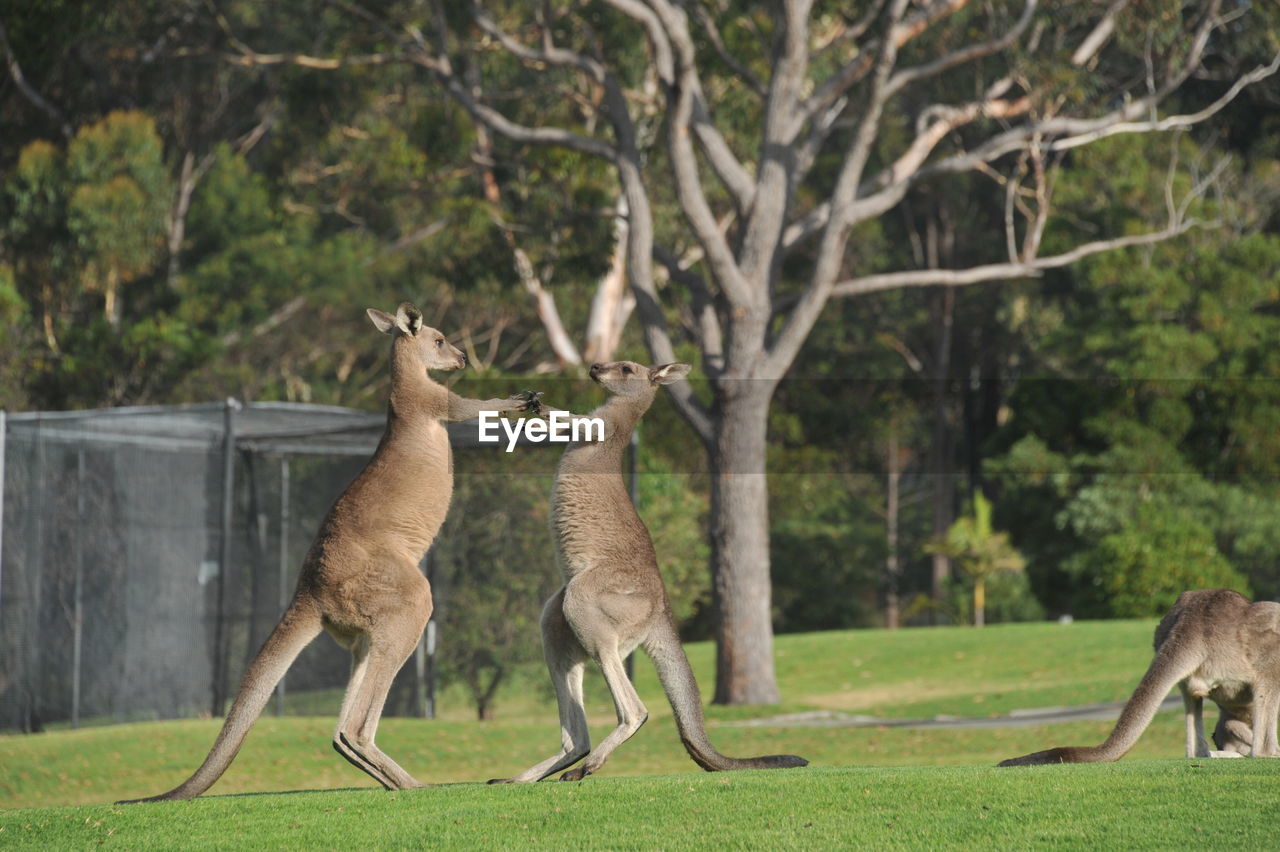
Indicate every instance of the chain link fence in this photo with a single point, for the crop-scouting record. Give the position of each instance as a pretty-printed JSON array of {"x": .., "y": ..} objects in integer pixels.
[{"x": 146, "y": 553}]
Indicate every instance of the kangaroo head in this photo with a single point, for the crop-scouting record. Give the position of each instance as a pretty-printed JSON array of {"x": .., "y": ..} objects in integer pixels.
[
  {"x": 423, "y": 342},
  {"x": 627, "y": 378}
]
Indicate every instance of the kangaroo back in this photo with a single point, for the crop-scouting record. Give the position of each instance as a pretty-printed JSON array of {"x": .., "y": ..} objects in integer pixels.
[
  {"x": 295, "y": 631},
  {"x": 663, "y": 647},
  {"x": 1174, "y": 661}
]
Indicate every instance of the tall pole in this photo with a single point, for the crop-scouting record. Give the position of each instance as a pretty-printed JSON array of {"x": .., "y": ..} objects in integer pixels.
[
  {"x": 3, "y": 434},
  {"x": 629, "y": 664},
  {"x": 224, "y": 555},
  {"x": 891, "y": 614},
  {"x": 427, "y": 652},
  {"x": 284, "y": 561},
  {"x": 31, "y": 720},
  {"x": 77, "y": 617}
]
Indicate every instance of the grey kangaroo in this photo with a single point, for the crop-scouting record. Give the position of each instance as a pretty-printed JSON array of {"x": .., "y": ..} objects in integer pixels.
[
  {"x": 360, "y": 581},
  {"x": 1213, "y": 644},
  {"x": 613, "y": 599}
]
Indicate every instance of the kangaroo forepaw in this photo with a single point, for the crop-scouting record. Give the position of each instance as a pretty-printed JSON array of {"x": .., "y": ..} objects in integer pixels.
[
  {"x": 529, "y": 400},
  {"x": 575, "y": 774},
  {"x": 500, "y": 781}
]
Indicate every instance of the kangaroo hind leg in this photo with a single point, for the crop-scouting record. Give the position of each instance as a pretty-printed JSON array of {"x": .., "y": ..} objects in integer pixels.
[
  {"x": 1266, "y": 712},
  {"x": 630, "y": 710},
  {"x": 374, "y": 667},
  {"x": 1197, "y": 744},
  {"x": 566, "y": 660},
  {"x": 359, "y": 647}
]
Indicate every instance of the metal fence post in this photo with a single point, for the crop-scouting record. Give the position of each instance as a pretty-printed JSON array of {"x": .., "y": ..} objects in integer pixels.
[
  {"x": 425, "y": 656},
  {"x": 629, "y": 664},
  {"x": 31, "y": 721},
  {"x": 284, "y": 562},
  {"x": 4, "y": 432},
  {"x": 77, "y": 624},
  {"x": 224, "y": 554}
]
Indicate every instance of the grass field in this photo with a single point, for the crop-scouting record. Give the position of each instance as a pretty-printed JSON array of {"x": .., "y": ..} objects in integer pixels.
[{"x": 879, "y": 786}]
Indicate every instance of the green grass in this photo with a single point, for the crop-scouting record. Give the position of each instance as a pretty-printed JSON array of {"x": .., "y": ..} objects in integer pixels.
[
  {"x": 871, "y": 786},
  {"x": 1131, "y": 805}
]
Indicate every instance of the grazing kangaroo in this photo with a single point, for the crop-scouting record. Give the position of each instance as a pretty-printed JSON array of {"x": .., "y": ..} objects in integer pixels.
[
  {"x": 360, "y": 581},
  {"x": 613, "y": 599},
  {"x": 1213, "y": 644}
]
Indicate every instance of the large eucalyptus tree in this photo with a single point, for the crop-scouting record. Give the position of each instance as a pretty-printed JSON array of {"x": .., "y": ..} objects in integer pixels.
[{"x": 785, "y": 128}]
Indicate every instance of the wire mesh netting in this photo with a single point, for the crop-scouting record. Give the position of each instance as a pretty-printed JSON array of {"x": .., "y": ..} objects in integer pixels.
[{"x": 132, "y": 588}]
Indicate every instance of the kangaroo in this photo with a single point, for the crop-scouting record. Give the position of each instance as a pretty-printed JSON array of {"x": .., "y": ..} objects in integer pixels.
[
  {"x": 1213, "y": 644},
  {"x": 360, "y": 581},
  {"x": 613, "y": 599}
]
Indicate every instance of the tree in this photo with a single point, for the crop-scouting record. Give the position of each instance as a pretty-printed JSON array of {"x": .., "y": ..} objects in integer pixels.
[
  {"x": 1139, "y": 449},
  {"x": 982, "y": 552},
  {"x": 787, "y": 133}
]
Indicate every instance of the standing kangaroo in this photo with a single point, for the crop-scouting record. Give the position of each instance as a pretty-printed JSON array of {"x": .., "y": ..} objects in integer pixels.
[
  {"x": 1213, "y": 644},
  {"x": 613, "y": 599},
  {"x": 360, "y": 581}
]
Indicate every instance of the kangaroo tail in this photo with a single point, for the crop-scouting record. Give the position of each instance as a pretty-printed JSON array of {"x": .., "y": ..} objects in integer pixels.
[
  {"x": 1165, "y": 672},
  {"x": 295, "y": 631},
  {"x": 663, "y": 647}
]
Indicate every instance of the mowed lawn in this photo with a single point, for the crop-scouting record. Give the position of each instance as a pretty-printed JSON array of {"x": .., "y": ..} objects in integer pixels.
[{"x": 867, "y": 785}]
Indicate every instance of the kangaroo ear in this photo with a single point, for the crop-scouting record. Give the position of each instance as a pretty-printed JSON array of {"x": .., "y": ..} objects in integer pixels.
[
  {"x": 408, "y": 318},
  {"x": 668, "y": 373},
  {"x": 383, "y": 320}
]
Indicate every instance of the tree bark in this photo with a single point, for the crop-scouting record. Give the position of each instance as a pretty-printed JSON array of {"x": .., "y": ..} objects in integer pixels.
[
  {"x": 613, "y": 301},
  {"x": 891, "y": 532},
  {"x": 740, "y": 549},
  {"x": 940, "y": 462}
]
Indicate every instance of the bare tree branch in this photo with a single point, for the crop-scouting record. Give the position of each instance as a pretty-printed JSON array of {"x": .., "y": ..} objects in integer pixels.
[
  {"x": 853, "y": 31},
  {"x": 28, "y": 91},
  {"x": 907, "y": 76},
  {"x": 710, "y": 332},
  {"x": 1173, "y": 122},
  {"x": 862, "y": 63},
  {"x": 1001, "y": 271},
  {"x": 749, "y": 77},
  {"x": 613, "y": 300},
  {"x": 890, "y": 186},
  {"x": 548, "y": 55},
  {"x": 720, "y": 156},
  {"x": 499, "y": 123},
  {"x": 1099, "y": 35},
  {"x": 191, "y": 175},
  {"x": 688, "y": 186},
  {"x": 548, "y": 314},
  {"x": 781, "y": 354},
  {"x": 1063, "y": 133},
  {"x": 782, "y": 121},
  {"x": 639, "y": 252},
  {"x": 544, "y": 302}
]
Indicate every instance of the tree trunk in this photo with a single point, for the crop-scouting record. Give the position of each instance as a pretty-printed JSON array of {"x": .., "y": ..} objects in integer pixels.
[
  {"x": 891, "y": 532},
  {"x": 940, "y": 461},
  {"x": 740, "y": 549},
  {"x": 613, "y": 301}
]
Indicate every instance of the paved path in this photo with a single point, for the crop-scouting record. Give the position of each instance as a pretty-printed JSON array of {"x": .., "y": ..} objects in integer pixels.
[{"x": 1015, "y": 719}]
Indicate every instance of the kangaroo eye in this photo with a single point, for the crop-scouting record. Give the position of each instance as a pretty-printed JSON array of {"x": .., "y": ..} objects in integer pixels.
[
  {"x": 626, "y": 371},
  {"x": 440, "y": 343}
]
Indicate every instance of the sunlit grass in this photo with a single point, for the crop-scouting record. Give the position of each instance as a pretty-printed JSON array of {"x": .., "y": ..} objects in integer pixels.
[
  {"x": 909, "y": 673},
  {"x": 1138, "y": 804}
]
